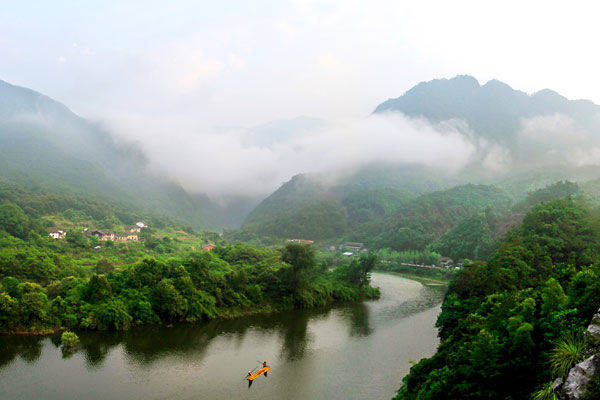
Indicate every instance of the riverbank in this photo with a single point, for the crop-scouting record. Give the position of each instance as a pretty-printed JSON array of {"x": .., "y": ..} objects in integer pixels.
[
  {"x": 228, "y": 282},
  {"x": 419, "y": 278},
  {"x": 351, "y": 296},
  {"x": 440, "y": 274},
  {"x": 307, "y": 347}
]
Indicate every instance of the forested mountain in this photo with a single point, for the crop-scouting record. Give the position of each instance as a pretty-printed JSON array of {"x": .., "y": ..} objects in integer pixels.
[
  {"x": 312, "y": 206},
  {"x": 511, "y": 327},
  {"x": 522, "y": 143},
  {"x": 44, "y": 145},
  {"x": 493, "y": 110},
  {"x": 475, "y": 237}
]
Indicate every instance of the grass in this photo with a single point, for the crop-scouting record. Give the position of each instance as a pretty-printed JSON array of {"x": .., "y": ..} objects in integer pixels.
[
  {"x": 567, "y": 352},
  {"x": 545, "y": 393}
]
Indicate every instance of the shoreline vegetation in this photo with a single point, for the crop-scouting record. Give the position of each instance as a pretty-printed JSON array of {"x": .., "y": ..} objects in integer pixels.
[
  {"x": 227, "y": 282},
  {"x": 419, "y": 278},
  {"x": 505, "y": 324}
]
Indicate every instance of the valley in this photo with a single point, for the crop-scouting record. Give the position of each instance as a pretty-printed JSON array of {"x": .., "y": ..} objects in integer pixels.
[{"x": 98, "y": 244}]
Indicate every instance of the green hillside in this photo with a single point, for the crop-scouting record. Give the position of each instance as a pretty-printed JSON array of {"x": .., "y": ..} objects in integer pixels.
[
  {"x": 44, "y": 145},
  {"x": 503, "y": 324}
]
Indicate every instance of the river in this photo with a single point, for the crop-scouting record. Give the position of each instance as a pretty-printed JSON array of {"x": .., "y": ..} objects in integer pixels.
[{"x": 352, "y": 352}]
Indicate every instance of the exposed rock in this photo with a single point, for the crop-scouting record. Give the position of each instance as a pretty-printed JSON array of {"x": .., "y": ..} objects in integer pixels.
[
  {"x": 579, "y": 376},
  {"x": 593, "y": 331},
  {"x": 557, "y": 384}
]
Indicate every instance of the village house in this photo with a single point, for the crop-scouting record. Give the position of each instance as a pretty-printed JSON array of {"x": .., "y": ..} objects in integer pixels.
[
  {"x": 133, "y": 228},
  {"x": 56, "y": 233},
  {"x": 446, "y": 262},
  {"x": 208, "y": 247},
  {"x": 124, "y": 237},
  {"x": 141, "y": 224},
  {"x": 103, "y": 235},
  {"x": 352, "y": 246},
  {"x": 302, "y": 241}
]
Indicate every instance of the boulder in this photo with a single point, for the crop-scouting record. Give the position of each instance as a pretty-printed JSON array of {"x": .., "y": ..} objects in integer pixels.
[
  {"x": 593, "y": 331},
  {"x": 579, "y": 376}
]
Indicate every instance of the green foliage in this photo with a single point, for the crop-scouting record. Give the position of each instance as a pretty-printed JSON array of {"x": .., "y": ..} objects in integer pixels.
[
  {"x": 428, "y": 217},
  {"x": 14, "y": 221},
  {"x": 228, "y": 281},
  {"x": 319, "y": 220},
  {"x": 545, "y": 393},
  {"x": 566, "y": 353},
  {"x": 76, "y": 238},
  {"x": 593, "y": 389},
  {"x": 69, "y": 339},
  {"x": 301, "y": 258},
  {"x": 504, "y": 322},
  {"x": 103, "y": 266},
  {"x": 473, "y": 238},
  {"x": 388, "y": 259},
  {"x": 358, "y": 271}
]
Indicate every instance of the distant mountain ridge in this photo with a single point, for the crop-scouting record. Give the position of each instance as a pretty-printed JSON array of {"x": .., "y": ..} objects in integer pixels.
[
  {"x": 493, "y": 110},
  {"x": 496, "y": 118},
  {"x": 45, "y": 145}
]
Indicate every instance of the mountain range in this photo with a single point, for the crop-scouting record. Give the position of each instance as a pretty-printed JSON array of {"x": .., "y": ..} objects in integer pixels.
[
  {"x": 45, "y": 146},
  {"x": 523, "y": 143}
]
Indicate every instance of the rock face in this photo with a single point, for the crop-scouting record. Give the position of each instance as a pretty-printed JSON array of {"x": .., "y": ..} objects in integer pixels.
[
  {"x": 576, "y": 383},
  {"x": 593, "y": 331}
]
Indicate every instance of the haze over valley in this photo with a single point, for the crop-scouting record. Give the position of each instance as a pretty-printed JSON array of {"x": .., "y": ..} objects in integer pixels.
[{"x": 299, "y": 200}]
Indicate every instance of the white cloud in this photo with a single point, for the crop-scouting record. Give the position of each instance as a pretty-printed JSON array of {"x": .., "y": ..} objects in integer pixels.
[{"x": 224, "y": 163}]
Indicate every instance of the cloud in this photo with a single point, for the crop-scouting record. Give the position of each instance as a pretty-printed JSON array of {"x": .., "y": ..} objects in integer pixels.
[
  {"x": 558, "y": 138},
  {"x": 228, "y": 162}
]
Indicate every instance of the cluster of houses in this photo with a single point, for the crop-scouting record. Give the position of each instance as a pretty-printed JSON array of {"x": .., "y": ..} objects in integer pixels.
[
  {"x": 352, "y": 248},
  {"x": 347, "y": 249},
  {"x": 301, "y": 241},
  {"x": 132, "y": 233}
]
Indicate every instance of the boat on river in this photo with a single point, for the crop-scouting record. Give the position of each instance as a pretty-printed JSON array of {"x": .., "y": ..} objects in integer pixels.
[{"x": 258, "y": 373}]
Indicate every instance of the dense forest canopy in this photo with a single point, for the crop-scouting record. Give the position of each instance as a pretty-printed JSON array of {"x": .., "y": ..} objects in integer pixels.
[
  {"x": 79, "y": 282},
  {"x": 502, "y": 321}
]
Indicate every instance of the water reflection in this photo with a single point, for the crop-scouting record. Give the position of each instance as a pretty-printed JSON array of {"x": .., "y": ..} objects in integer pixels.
[
  {"x": 210, "y": 360},
  {"x": 359, "y": 321},
  {"x": 148, "y": 344},
  {"x": 28, "y": 348}
]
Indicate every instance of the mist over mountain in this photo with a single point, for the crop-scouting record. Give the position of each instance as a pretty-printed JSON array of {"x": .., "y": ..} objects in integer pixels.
[
  {"x": 45, "y": 145},
  {"x": 515, "y": 141},
  {"x": 510, "y": 124},
  {"x": 437, "y": 135}
]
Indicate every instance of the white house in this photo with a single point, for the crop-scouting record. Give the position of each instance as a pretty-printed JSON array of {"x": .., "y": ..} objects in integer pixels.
[{"x": 56, "y": 233}]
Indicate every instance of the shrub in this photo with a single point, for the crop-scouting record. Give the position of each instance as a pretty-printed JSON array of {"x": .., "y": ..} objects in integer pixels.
[
  {"x": 566, "y": 353},
  {"x": 69, "y": 340}
]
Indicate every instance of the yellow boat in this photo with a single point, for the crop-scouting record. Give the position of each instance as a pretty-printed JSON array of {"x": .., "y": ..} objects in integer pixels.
[{"x": 258, "y": 373}]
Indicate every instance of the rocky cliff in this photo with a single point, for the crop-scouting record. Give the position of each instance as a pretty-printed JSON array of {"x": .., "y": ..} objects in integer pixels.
[{"x": 578, "y": 381}]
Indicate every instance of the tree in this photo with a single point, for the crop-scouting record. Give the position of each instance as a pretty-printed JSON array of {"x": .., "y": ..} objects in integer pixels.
[
  {"x": 76, "y": 238},
  {"x": 97, "y": 289},
  {"x": 104, "y": 266},
  {"x": 13, "y": 220},
  {"x": 167, "y": 302},
  {"x": 301, "y": 258}
]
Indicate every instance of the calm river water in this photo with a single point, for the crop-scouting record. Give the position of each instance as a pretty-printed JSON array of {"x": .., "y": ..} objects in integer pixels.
[{"x": 353, "y": 352}]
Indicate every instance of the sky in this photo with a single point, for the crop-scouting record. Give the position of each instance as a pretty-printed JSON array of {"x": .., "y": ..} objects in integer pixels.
[{"x": 154, "y": 71}]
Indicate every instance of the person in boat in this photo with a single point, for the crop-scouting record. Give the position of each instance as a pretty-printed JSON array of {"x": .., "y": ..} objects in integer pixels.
[
  {"x": 264, "y": 364},
  {"x": 249, "y": 373}
]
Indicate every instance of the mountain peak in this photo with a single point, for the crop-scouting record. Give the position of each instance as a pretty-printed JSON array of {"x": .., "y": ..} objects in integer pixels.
[
  {"x": 16, "y": 100},
  {"x": 493, "y": 111}
]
